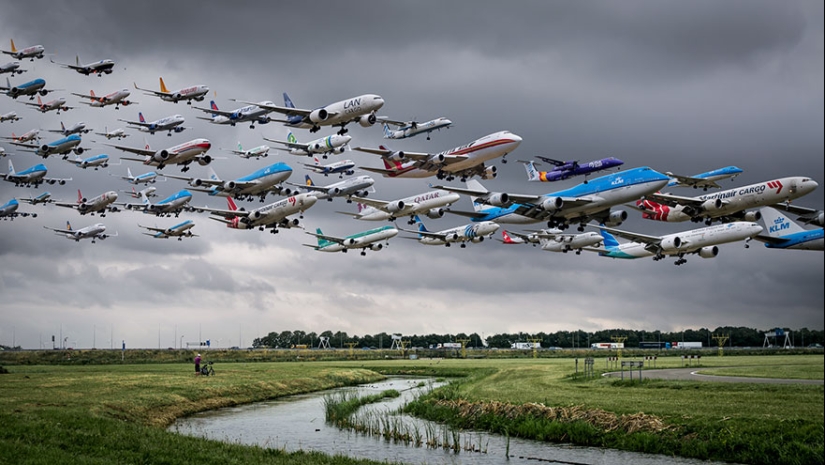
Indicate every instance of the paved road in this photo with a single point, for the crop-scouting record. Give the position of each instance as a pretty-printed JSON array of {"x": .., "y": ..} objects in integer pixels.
[{"x": 690, "y": 374}]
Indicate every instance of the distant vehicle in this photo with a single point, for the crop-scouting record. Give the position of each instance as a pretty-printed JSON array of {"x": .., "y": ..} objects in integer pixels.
[
  {"x": 607, "y": 345},
  {"x": 704, "y": 180},
  {"x": 12, "y": 67},
  {"x": 815, "y": 346},
  {"x": 169, "y": 123},
  {"x": 525, "y": 345}
]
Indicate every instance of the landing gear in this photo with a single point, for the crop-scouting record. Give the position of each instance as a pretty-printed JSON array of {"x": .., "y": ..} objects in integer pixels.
[
  {"x": 363, "y": 253},
  {"x": 463, "y": 246},
  {"x": 343, "y": 131},
  {"x": 315, "y": 129}
]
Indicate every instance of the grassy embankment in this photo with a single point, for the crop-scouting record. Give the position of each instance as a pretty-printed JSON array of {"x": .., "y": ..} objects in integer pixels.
[{"x": 115, "y": 413}]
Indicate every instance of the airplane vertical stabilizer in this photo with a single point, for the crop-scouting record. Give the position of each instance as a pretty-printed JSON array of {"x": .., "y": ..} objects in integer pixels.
[
  {"x": 532, "y": 172},
  {"x": 291, "y": 138},
  {"x": 11, "y": 169},
  {"x": 288, "y": 101},
  {"x": 387, "y": 132},
  {"x": 609, "y": 241},
  {"x": 476, "y": 186},
  {"x": 163, "y": 86},
  {"x": 212, "y": 174},
  {"x": 14, "y": 49},
  {"x": 776, "y": 223},
  {"x": 68, "y": 226},
  {"x": 321, "y": 241}
]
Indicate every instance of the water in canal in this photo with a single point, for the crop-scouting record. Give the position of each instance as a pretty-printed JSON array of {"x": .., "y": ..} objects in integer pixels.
[{"x": 297, "y": 423}]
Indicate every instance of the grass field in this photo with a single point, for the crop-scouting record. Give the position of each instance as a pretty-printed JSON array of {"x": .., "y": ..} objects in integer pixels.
[{"x": 116, "y": 413}]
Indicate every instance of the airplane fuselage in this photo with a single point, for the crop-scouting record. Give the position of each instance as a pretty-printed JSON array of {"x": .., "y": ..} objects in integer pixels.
[
  {"x": 361, "y": 240},
  {"x": 417, "y": 204},
  {"x": 410, "y": 131},
  {"x": 60, "y": 146},
  {"x": 276, "y": 212},
  {"x": 95, "y": 161},
  {"x": 568, "y": 242},
  {"x": 28, "y": 88},
  {"x": 339, "y": 113},
  {"x": 263, "y": 179},
  {"x": 689, "y": 241},
  {"x": 474, "y": 232}
]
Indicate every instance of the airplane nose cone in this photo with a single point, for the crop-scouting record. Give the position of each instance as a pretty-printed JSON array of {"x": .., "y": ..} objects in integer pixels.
[
  {"x": 379, "y": 101},
  {"x": 346, "y": 138},
  {"x": 516, "y": 139}
]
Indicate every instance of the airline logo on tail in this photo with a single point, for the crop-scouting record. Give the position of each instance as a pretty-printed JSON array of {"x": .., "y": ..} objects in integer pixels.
[
  {"x": 288, "y": 102},
  {"x": 309, "y": 181},
  {"x": 291, "y": 138},
  {"x": 609, "y": 241},
  {"x": 506, "y": 238},
  {"x": 387, "y": 132},
  {"x": 533, "y": 173},
  {"x": 163, "y": 86},
  {"x": 79, "y": 197},
  {"x": 68, "y": 226},
  {"x": 213, "y": 106},
  {"x": 140, "y": 117}
]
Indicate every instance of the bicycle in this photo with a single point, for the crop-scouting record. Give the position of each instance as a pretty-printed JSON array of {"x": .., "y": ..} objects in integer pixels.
[{"x": 207, "y": 370}]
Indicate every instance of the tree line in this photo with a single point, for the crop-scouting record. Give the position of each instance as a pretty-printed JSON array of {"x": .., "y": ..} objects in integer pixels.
[{"x": 737, "y": 337}]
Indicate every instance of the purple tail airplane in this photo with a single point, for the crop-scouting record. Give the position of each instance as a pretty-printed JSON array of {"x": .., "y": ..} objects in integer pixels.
[{"x": 566, "y": 169}]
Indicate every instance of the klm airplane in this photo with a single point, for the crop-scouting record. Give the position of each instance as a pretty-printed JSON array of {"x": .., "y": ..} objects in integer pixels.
[{"x": 784, "y": 233}]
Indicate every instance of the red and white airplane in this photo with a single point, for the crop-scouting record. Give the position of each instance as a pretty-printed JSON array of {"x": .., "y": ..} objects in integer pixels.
[
  {"x": 56, "y": 104},
  {"x": 25, "y": 137},
  {"x": 35, "y": 51},
  {"x": 116, "y": 98},
  {"x": 181, "y": 154},
  {"x": 188, "y": 94},
  {"x": 462, "y": 162}
]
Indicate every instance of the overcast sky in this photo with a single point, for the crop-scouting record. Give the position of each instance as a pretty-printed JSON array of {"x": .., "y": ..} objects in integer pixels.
[{"x": 679, "y": 86}]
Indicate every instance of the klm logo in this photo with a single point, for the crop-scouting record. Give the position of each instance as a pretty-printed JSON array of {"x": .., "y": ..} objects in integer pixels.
[{"x": 779, "y": 225}]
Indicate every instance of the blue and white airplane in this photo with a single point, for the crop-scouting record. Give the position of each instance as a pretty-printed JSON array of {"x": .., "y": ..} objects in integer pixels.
[
  {"x": 179, "y": 230},
  {"x": 31, "y": 88},
  {"x": 253, "y": 113},
  {"x": 170, "y": 123},
  {"x": 702, "y": 241},
  {"x": 339, "y": 167},
  {"x": 147, "y": 178},
  {"x": 172, "y": 205},
  {"x": 579, "y": 204},
  {"x": 473, "y": 232},
  {"x": 59, "y": 147},
  {"x": 44, "y": 198},
  {"x": 31, "y": 177},
  {"x": 784, "y": 233},
  {"x": 704, "y": 180},
  {"x": 95, "y": 161},
  {"x": 359, "y": 186},
  {"x": 92, "y": 232},
  {"x": 9, "y": 210},
  {"x": 256, "y": 184},
  {"x": 364, "y": 240},
  {"x": 413, "y": 128}
]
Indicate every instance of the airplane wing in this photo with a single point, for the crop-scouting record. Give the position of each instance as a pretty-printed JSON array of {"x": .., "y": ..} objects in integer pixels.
[
  {"x": 27, "y": 147},
  {"x": 482, "y": 194},
  {"x": 435, "y": 235},
  {"x": 377, "y": 170},
  {"x": 387, "y": 120},
  {"x": 160, "y": 230},
  {"x": 35, "y": 201},
  {"x": 379, "y": 204},
  {"x": 314, "y": 188},
  {"x": 151, "y": 92},
  {"x": 338, "y": 240},
  {"x": 283, "y": 110},
  {"x": 90, "y": 97},
  {"x": 770, "y": 239},
  {"x": 291, "y": 145},
  {"x": 651, "y": 241},
  {"x": 468, "y": 214},
  {"x": 673, "y": 200},
  {"x": 223, "y": 212},
  {"x": 134, "y": 123},
  {"x": 60, "y": 231},
  {"x": 421, "y": 156},
  {"x": 806, "y": 215},
  {"x": 139, "y": 151},
  {"x": 690, "y": 181},
  {"x": 551, "y": 161},
  {"x": 57, "y": 180}
]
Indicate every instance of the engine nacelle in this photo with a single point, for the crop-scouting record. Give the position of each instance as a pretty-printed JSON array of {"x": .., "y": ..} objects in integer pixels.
[
  {"x": 255, "y": 215},
  {"x": 819, "y": 219},
  {"x": 712, "y": 205},
  {"x": 396, "y": 156},
  {"x": 335, "y": 191},
  {"x": 161, "y": 156},
  {"x": 437, "y": 159},
  {"x": 229, "y": 185},
  {"x": 204, "y": 160},
  {"x": 477, "y": 239},
  {"x": 62, "y": 182},
  {"x": 339, "y": 150},
  {"x": 44, "y": 148},
  {"x": 753, "y": 216},
  {"x": 498, "y": 199},
  {"x": 489, "y": 173},
  {"x": 14, "y": 91},
  {"x": 318, "y": 115},
  {"x": 367, "y": 120},
  {"x": 350, "y": 242},
  {"x": 615, "y": 218},
  {"x": 708, "y": 252},
  {"x": 176, "y": 97},
  {"x": 395, "y": 207},
  {"x": 552, "y": 203},
  {"x": 43, "y": 92},
  {"x": 79, "y": 150},
  {"x": 197, "y": 182},
  {"x": 671, "y": 243},
  {"x": 126, "y": 103},
  {"x": 435, "y": 213},
  {"x": 451, "y": 238},
  {"x": 376, "y": 247},
  {"x": 179, "y": 129}
]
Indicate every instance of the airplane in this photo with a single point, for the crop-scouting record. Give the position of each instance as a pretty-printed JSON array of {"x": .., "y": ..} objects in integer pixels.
[
  {"x": 462, "y": 162},
  {"x": 804, "y": 214},
  {"x": 259, "y": 151},
  {"x": 31, "y": 177},
  {"x": 172, "y": 205},
  {"x": 30, "y": 88},
  {"x": 100, "y": 204},
  {"x": 566, "y": 169},
  {"x": 579, "y": 204},
  {"x": 702, "y": 241},
  {"x": 181, "y": 154},
  {"x": 259, "y": 183},
  {"x": 10, "y": 116},
  {"x": 97, "y": 67},
  {"x": 179, "y": 230},
  {"x": 340, "y": 167},
  {"x": 554, "y": 240},
  {"x": 56, "y": 104},
  {"x": 35, "y": 51},
  {"x": 704, "y": 180},
  {"x": 77, "y": 128},
  {"x": 729, "y": 205},
  {"x": 430, "y": 203},
  {"x": 169, "y": 123},
  {"x": 359, "y": 185},
  {"x": 364, "y": 240},
  {"x": 119, "y": 133},
  {"x": 473, "y": 232},
  {"x": 145, "y": 178},
  {"x": 95, "y": 161},
  {"x": 9, "y": 211},
  {"x": 92, "y": 232},
  {"x": 413, "y": 128},
  {"x": 138, "y": 194},
  {"x": 253, "y": 113},
  {"x": 784, "y": 233},
  {"x": 2, "y": 152},
  {"x": 63, "y": 146},
  {"x": 359, "y": 109},
  {"x": 335, "y": 144},
  {"x": 274, "y": 215},
  {"x": 44, "y": 198},
  {"x": 188, "y": 94},
  {"x": 26, "y": 137},
  {"x": 116, "y": 98},
  {"x": 11, "y": 67}
]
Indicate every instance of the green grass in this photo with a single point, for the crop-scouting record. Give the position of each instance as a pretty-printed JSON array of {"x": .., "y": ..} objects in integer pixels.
[{"x": 786, "y": 371}]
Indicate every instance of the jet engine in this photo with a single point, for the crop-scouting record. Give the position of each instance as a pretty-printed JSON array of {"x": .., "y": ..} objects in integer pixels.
[
  {"x": 819, "y": 219},
  {"x": 477, "y": 239},
  {"x": 753, "y": 216},
  {"x": 616, "y": 218},
  {"x": 319, "y": 115},
  {"x": 204, "y": 160},
  {"x": 498, "y": 199},
  {"x": 435, "y": 213},
  {"x": 489, "y": 173},
  {"x": 552, "y": 203},
  {"x": 335, "y": 191},
  {"x": 712, "y": 205},
  {"x": 78, "y": 150},
  {"x": 125, "y": 103},
  {"x": 161, "y": 156},
  {"x": 671, "y": 243},
  {"x": 255, "y": 215},
  {"x": 367, "y": 120},
  {"x": 339, "y": 150},
  {"x": 197, "y": 182},
  {"x": 44, "y": 148},
  {"x": 43, "y": 92},
  {"x": 351, "y": 242},
  {"x": 229, "y": 185},
  {"x": 394, "y": 207},
  {"x": 179, "y": 129},
  {"x": 396, "y": 156},
  {"x": 451, "y": 238},
  {"x": 176, "y": 97},
  {"x": 376, "y": 247},
  {"x": 708, "y": 252}
]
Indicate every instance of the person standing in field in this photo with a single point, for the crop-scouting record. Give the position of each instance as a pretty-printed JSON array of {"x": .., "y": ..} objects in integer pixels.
[{"x": 198, "y": 364}]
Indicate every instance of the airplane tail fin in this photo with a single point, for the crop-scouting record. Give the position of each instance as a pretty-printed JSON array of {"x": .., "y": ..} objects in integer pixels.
[
  {"x": 777, "y": 223},
  {"x": 129, "y": 173},
  {"x": 288, "y": 101},
  {"x": 163, "y": 86},
  {"x": 532, "y": 172},
  {"x": 321, "y": 241},
  {"x": 240, "y": 147},
  {"x": 609, "y": 240},
  {"x": 291, "y": 138},
  {"x": 505, "y": 238},
  {"x": 212, "y": 174},
  {"x": 13, "y": 48},
  {"x": 77, "y": 60},
  {"x": 653, "y": 210},
  {"x": 213, "y": 106},
  {"x": 140, "y": 117},
  {"x": 231, "y": 204},
  {"x": 11, "y": 169},
  {"x": 39, "y": 102},
  {"x": 146, "y": 143},
  {"x": 62, "y": 126},
  {"x": 477, "y": 186},
  {"x": 79, "y": 197},
  {"x": 68, "y": 226},
  {"x": 309, "y": 180},
  {"x": 421, "y": 226},
  {"x": 317, "y": 162},
  {"x": 92, "y": 93},
  {"x": 387, "y": 132}
]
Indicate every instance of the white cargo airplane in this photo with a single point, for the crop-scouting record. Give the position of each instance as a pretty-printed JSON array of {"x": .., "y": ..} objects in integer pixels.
[
  {"x": 359, "y": 185},
  {"x": 25, "y": 137},
  {"x": 118, "y": 133},
  {"x": 179, "y": 230},
  {"x": 172, "y": 205},
  {"x": 783, "y": 233},
  {"x": 729, "y": 205},
  {"x": 364, "y": 240},
  {"x": 31, "y": 177},
  {"x": 188, "y": 94},
  {"x": 335, "y": 144},
  {"x": 95, "y": 161},
  {"x": 116, "y": 98},
  {"x": 554, "y": 240},
  {"x": 61, "y": 146},
  {"x": 35, "y": 51},
  {"x": 181, "y": 154},
  {"x": 256, "y": 184},
  {"x": 275, "y": 215},
  {"x": 359, "y": 109},
  {"x": 430, "y": 203},
  {"x": 92, "y": 232},
  {"x": 11, "y": 67},
  {"x": 77, "y": 128},
  {"x": 413, "y": 128},
  {"x": 10, "y": 116},
  {"x": 259, "y": 151},
  {"x": 100, "y": 204},
  {"x": 473, "y": 232},
  {"x": 339, "y": 167},
  {"x": 462, "y": 162},
  {"x": 58, "y": 104},
  {"x": 170, "y": 123},
  {"x": 97, "y": 67},
  {"x": 145, "y": 178},
  {"x": 9, "y": 211},
  {"x": 254, "y": 113}
]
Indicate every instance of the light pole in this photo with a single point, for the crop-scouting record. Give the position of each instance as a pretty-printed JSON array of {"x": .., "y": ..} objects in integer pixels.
[{"x": 181, "y": 341}]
